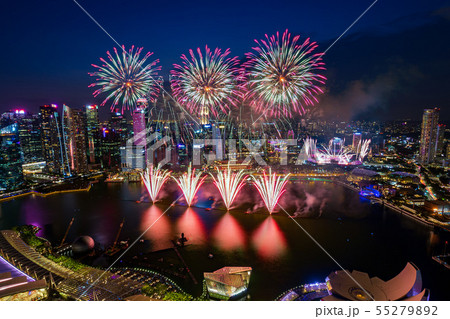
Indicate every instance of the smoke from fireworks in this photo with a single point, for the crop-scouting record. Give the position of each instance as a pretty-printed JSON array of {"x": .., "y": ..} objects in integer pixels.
[
  {"x": 126, "y": 78},
  {"x": 207, "y": 81},
  {"x": 282, "y": 78},
  {"x": 229, "y": 184},
  {"x": 189, "y": 184},
  {"x": 154, "y": 179},
  {"x": 270, "y": 187}
]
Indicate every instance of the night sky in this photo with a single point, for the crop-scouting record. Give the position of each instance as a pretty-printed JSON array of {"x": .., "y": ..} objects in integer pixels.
[{"x": 391, "y": 65}]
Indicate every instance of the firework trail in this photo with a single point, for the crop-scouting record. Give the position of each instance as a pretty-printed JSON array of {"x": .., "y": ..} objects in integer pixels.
[
  {"x": 363, "y": 149},
  {"x": 154, "y": 179},
  {"x": 281, "y": 75},
  {"x": 126, "y": 78},
  {"x": 229, "y": 184},
  {"x": 189, "y": 183},
  {"x": 270, "y": 187},
  {"x": 208, "y": 81}
]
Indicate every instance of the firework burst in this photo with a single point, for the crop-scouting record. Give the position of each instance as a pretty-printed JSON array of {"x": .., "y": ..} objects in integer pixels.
[
  {"x": 229, "y": 184},
  {"x": 281, "y": 75},
  {"x": 270, "y": 187},
  {"x": 208, "y": 81},
  {"x": 154, "y": 179},
  {"x": 125, "y": 78},
  {"x": 189, "y": 184}
]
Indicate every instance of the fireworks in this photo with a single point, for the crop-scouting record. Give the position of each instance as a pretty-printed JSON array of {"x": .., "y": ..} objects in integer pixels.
[
  {"x": 126, "y": 78},
  {"x": 229, "y": 184},
  {"x": 189, "y": 183},
  {"x": 207, "y": 83},
  {"x": 363, "y": 149},
  {"x": 336, "y": 152},
  {"x": 154, "y": 179},
  {"x": 282, "y": 78},
  {"x": 270, "y": 187}
]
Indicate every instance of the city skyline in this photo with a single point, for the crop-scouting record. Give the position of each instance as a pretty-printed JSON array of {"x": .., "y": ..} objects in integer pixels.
[
  {"x": 239, "y": 150},
  {"x": 384, "y": 88}
]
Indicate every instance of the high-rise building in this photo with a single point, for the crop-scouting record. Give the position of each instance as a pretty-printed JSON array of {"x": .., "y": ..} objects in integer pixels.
[
  {"x": 51, "y": 139},
  {"x": 75, "y": 140},
  {"x": 29, "y": 132},
  {"x": 118, "y": 123},
  {"x": 440, "y": 139},
  {"x": 93, "y": 135},
  {"x": 428, "y": 135},
  {"x": 357, "y": 137},
  {"x": 111, "y": 143},
  {"x": 139, "y": 132},
  {"x": 11, "y": 174}
]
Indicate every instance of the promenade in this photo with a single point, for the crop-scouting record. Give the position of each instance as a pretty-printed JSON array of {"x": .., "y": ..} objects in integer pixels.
[{"x": 79, "y": 285}]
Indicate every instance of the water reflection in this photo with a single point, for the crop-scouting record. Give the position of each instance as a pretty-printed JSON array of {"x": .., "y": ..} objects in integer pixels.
[
  {"x": 160, "y": 232},
  {"x": 269, "y": 240},
  {"x": 192, "y": 226},
  {"x": 228, "y": 234}
]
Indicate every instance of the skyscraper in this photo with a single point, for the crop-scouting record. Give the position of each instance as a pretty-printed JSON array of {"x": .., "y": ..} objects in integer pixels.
[
  {"x": 93, "y": 135},
  {"x": 11, "y": 174},
  {"x": 75, "y": 140},
  {"x": 440, "y": 139},
  {"x": 428, "y": 135},
  {"x": 139, "y": 127},
  {"x": 356, "y": 140},
  {"x": 29, "y": 132},
  {"x": 51, "y": 139}
]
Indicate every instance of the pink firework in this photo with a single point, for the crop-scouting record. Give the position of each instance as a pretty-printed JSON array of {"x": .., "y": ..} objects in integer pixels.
[
  {"x": 209, "y": 81},
  {"x": 282, "y": 75},
  {"x": 270, "y": 187},
  {"x": 189, "y": 184}
]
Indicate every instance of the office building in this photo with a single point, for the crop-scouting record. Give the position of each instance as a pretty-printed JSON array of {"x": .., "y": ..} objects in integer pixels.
[
  {"x": 11, "y": 160},
  {"x": 75, "y": 140},
  {"x": 93, "y": 134},
  {"x": 51, "y": 139},
  {"x": 428, "y": 135}
]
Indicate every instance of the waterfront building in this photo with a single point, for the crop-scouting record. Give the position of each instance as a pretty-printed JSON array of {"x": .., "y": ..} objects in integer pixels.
[
  {"x": 29, "y": 132},
  {"x": 228, "y": 282},
  {"x": 21, "y": 288},
  {"x": 406, "y": 286},
  {"x": 437, "y": 207},
  {"x": 93, "y": 134},
  {"x": 74, "y": 130},
  {"x": 51, "y": 139},
  {"x": 111, "y": 143},
  {"x": 428, "y": 135},
  {"x": 11, "y": 159}
]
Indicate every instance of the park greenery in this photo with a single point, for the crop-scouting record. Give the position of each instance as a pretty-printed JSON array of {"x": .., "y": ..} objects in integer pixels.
[
  {"x": 67, "y": 262},
  {"x": 28, "y": 235}
]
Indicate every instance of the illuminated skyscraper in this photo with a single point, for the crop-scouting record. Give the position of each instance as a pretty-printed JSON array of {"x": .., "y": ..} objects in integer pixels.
[
  {"x": 93, "y": 135},
  {"x": 11, "y": 174},
  {"x": 139, "y": 127},
  {"x": 356, "y": 140},
  {"x": 29, "y": 132},
  {"x": 440, "y": 139},
  {"x": 51, "y": 139},
  {"x": 75, "y": 140},
  {"x": 428, "y": 135}
]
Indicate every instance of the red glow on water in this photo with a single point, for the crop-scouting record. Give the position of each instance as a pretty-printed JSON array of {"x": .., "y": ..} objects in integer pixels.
[
  {"x": 192, "y": 226},
  {"x": 269, "y": 240},
  {"x": 228, "y": 234},
  {"x": 160, "y": 232}
]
